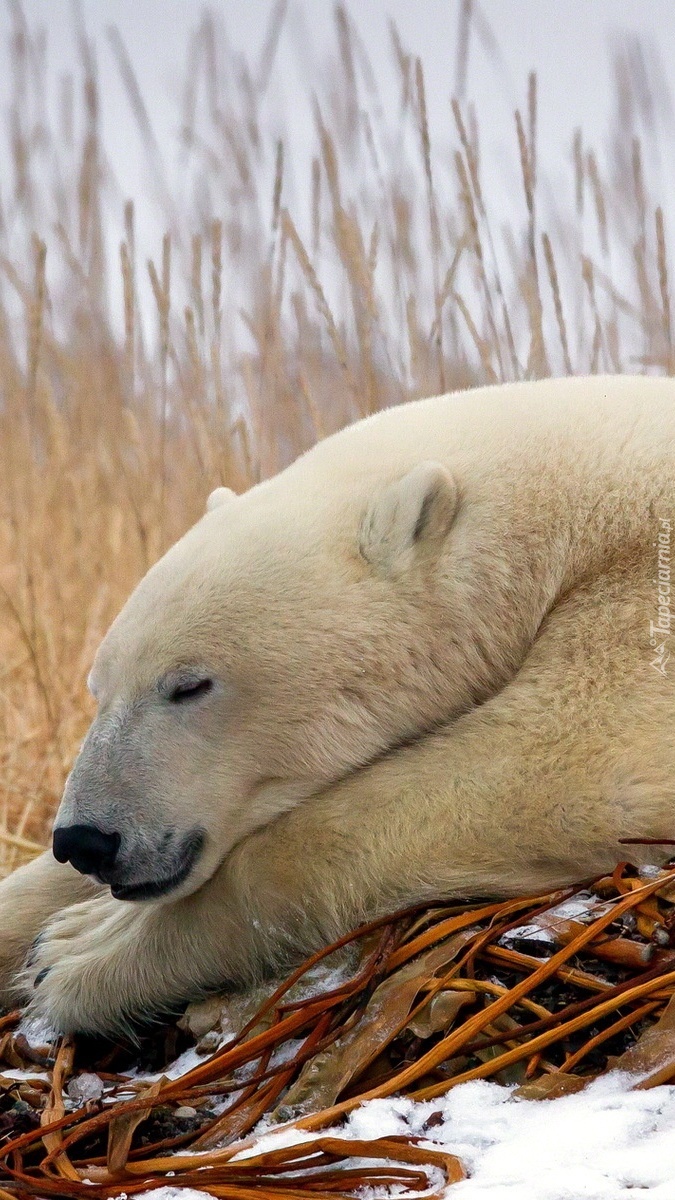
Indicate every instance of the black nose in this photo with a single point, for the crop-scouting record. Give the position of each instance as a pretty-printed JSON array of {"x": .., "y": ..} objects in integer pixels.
[{"x": 89, "y": 849}]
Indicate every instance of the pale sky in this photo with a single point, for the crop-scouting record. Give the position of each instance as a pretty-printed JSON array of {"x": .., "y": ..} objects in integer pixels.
[{"x": 566, "y": 41}]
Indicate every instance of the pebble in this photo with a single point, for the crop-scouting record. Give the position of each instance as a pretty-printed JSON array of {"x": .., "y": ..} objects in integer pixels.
[{"x": 84, "y": 1087}]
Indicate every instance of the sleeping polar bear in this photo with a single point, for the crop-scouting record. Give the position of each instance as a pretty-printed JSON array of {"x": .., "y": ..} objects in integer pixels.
[{"x": 429, "y": 658}]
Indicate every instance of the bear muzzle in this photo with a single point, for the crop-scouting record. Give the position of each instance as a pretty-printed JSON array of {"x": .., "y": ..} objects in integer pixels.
[
  {"x": 182, "y": 865},
  {"x": 141, "y": 876}
]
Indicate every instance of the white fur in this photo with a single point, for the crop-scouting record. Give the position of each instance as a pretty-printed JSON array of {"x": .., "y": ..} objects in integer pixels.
[
  {"x": 430, "y": 646},
  {"x": 221, "y": 495}
]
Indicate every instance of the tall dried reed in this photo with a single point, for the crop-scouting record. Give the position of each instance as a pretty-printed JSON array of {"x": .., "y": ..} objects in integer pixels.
[{"x": 272, "y": 325}]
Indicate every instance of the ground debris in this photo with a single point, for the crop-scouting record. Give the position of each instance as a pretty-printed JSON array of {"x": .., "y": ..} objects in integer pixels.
[{"x": 544, "y": 994}]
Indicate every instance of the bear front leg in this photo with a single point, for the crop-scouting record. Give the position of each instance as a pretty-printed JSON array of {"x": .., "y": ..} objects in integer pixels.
[
  {"x": 28, "y": 898},
  {"x": 102, "y": 965}
]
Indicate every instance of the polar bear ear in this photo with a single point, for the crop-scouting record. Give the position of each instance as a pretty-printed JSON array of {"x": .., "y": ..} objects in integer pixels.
[
  {"x": 221, "y": 495},
  {"x": 415, "y": 510}
]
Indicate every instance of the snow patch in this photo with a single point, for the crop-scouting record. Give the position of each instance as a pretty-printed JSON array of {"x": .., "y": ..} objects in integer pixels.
[{"x": 606, "y": 1143}]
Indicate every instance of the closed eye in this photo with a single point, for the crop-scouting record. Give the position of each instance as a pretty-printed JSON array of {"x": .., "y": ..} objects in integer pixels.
[{"x": 190, "y": 690}]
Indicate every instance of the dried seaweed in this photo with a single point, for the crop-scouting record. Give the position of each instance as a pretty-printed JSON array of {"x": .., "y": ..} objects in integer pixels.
[{"x": 437, "y": 996}]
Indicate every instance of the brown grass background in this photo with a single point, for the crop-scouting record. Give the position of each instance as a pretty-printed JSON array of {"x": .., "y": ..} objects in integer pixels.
[{"x": 269, "y": 324}]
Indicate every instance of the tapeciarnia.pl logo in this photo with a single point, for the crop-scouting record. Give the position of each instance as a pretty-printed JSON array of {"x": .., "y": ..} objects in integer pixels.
[{"x": 660, "y": 630}]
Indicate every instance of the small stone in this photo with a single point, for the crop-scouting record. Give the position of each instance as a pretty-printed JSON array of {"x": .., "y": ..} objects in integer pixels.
[
  {"x": 85, "y": 1087},
  {"x": 209, "y": 1043},
  {"x": 285, "y": 1112},
  {"x": 202, "y": 1016},
  {"x": 21, "y": 1108},
  {"x": 185, "y": 1113}
]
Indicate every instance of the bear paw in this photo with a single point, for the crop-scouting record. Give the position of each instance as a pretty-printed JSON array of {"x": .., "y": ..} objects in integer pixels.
[{"x": 83, "y": 973}]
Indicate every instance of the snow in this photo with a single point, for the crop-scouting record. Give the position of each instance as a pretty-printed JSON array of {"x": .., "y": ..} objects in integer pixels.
[
  {"x": 600, "y": 1145},
  {"x": 185, "y": 1062},
  {"x": 580, "y": 907},
  {"x": 606, "y": 1143},
  {"x": 530, "y": 933},
  {"x": 171, "y": 1193},
  {"x": 24, "y": 1074}
]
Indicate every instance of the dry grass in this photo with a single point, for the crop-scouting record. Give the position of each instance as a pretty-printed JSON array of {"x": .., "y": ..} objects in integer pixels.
[{"x": 271, "y": 325}]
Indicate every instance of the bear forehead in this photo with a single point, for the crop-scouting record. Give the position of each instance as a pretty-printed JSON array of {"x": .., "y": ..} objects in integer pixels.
[{"x": 210, "y": 594}]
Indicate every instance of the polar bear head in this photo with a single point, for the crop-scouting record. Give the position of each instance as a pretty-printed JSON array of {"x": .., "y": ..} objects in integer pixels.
[{"x": 284, "y": 642}]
